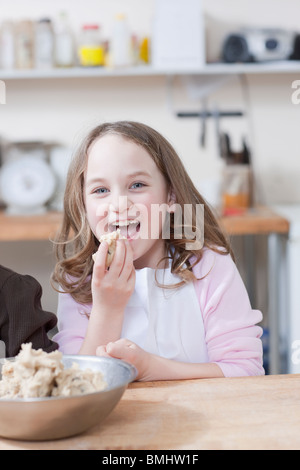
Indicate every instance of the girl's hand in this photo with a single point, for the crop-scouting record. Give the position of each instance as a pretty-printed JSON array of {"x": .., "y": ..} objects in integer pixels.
[
  {"x": 111, "y": 289},
  {"x": 152, "y": 368},
  {"x": 130, "y": 352}
]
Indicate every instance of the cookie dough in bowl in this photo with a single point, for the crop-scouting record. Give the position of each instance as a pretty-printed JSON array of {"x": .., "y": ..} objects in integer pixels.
[
  {"x": 37, "y": 374},
  {"x": 60, "y": 401}
]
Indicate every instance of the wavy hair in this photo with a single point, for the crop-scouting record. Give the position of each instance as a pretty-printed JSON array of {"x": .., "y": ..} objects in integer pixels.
[{"x": 75, "y": 242}]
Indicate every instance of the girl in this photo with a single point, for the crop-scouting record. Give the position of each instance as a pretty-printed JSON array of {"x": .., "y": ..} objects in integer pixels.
[{"x": 174, "y": 309}]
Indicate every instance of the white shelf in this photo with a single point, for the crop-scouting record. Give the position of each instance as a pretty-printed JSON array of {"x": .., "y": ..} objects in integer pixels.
[
  {"x": 144, "y": 70},
  {"x": 286, "y": 66}
]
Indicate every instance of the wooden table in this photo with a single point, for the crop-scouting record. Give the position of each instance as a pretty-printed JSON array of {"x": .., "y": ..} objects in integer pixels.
[{"x": 241, "y": 413}]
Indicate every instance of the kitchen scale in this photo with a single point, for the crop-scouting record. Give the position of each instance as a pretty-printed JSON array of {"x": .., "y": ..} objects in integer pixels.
[{"x": 27, "y": 182}]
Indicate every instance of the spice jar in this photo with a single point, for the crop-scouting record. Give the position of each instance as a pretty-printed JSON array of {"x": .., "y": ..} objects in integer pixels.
[{"x": 91, "y": 50}]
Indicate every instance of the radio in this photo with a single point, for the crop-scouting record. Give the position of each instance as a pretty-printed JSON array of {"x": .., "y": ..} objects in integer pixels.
[{"x": 259, "y": 45}]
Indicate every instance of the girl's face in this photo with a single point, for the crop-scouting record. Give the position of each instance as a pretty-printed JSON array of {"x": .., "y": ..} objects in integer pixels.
[{"x": 124, "y": 189}]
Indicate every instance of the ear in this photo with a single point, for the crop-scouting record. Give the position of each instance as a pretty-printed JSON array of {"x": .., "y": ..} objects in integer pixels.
[{"x": 171, "y": 200}]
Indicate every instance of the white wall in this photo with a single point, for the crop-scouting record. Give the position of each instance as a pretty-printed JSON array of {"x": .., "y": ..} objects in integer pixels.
[{"x": 64, "y": 109}]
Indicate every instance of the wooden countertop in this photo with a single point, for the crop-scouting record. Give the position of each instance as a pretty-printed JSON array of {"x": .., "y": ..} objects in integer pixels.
[
  {"x": 256, "y": 221},
  {"x": 218, "y": 414},
  {"x": 42, "y": 227},
  {"x": 32, "y": 227}
]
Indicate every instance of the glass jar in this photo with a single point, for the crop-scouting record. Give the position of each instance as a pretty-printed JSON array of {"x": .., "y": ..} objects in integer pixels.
[
  {"x": 24, "y": 42},
  {"x": 7, "y": 45},
  {"x": 64, "y": 42},
  {"x": 91, "y": 49},
  {"x": 236, "y": 192},
  {"x": 44, "y": 44}
]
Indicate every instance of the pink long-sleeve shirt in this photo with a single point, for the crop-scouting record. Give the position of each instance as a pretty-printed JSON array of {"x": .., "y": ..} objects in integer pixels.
[{"x": 230, "y": 325}]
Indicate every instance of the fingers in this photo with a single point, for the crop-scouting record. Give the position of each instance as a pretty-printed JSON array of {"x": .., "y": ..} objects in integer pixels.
[
  {"x": 122, "y": 263},
  {"x": 101, "y": 351},
  {"x": 118, "y": 259},
  {"x": 100, "y": 261},
  {"x": 121, "y": 349},
  {"x": 130, "y": 352},
  {"x": 128, "y": 271},
  {"x": 117, "y": 349}
]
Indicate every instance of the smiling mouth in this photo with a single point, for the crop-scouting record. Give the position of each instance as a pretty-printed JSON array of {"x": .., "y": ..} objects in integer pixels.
[{"x": 128, "y": 228}]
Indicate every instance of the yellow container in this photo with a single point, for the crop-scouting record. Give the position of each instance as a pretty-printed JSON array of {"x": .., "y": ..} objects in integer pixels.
[
  {"x": 91, "y": 49},
  {"x": 144, "y": 51},
  {"x": 91, "y": 56}
]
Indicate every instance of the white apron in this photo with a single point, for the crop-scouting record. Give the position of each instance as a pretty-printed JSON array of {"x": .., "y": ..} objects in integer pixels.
[{"x": 165, "y": 322}]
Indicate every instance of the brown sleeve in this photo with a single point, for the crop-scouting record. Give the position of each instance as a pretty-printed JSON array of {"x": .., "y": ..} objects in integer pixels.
[{"x": 22, "y": 319}]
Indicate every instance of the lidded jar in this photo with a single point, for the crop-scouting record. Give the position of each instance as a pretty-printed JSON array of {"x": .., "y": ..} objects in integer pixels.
[{"x": 91, "y": 49}]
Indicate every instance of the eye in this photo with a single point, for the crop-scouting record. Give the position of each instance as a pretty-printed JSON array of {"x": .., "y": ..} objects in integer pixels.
[
  {"x": 138, "y": 185},
  {"x": 100, "y": 191}
]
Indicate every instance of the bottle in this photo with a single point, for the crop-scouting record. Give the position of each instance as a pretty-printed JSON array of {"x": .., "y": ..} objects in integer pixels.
[
  {"x": 63, "y": 42},
  {"x": 144, "y": 51},
  {"x": 120, "y": 54},
  {"x": 24, "y": 42},
  {"x": 7, "y": 45},
  {"x": 44, "y": 44},
  {"x": 91, "y": 48}
]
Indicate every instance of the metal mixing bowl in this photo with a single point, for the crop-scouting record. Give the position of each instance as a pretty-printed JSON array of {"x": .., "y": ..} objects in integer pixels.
[{"x": 59, "y": 417}]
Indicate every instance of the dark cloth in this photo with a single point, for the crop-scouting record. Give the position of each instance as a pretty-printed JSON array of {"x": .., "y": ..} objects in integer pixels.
[{"x": 22, "y": 319}]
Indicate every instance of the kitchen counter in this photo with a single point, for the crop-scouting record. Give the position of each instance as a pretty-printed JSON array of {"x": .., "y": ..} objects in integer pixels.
[
  {"x": 240, "y": 413},
  {"x": 257, "y": 221},
  {"x": 260, "y": 220},
  {"x": 29, "y": 227}
]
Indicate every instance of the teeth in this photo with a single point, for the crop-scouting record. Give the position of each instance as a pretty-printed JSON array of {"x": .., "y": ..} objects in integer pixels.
[{"x": 125, "y": 223}]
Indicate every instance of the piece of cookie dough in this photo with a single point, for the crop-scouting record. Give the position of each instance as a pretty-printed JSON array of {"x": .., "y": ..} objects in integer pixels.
[{"x": 111, "y": 239}]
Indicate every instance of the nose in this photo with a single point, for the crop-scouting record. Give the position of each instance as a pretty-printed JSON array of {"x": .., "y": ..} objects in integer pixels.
[{"x": 119, "y": 204}]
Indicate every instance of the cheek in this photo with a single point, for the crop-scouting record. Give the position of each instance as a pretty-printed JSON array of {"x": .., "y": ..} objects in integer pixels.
[{"x": 97, "y": 216}]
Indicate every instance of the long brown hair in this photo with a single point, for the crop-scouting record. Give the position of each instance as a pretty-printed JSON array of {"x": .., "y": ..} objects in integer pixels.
[{"x": 76, "y": 243}]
